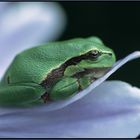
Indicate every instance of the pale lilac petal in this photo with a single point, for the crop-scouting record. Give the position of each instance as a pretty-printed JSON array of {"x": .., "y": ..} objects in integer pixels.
[
  {"x": 27, "y": 24},
  {"x": 3, "y": 6},
  {"x": 111, "y": 110}
]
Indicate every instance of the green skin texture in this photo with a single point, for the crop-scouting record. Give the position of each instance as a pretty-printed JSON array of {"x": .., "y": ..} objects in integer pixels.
[{"x": 20, "y": 86}]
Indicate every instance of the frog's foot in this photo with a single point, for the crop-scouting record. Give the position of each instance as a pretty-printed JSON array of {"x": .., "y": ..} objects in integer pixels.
[
  {"x": 20, "y": 94},
  {"x": 64, "y": 88}
]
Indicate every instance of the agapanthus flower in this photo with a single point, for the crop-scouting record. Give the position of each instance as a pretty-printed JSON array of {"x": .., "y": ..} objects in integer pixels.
[{"x": 104, "y": 109}]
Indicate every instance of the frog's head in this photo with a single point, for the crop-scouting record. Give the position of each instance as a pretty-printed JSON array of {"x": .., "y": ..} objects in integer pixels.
[
  {"x": 96, "y": 57},
  {"x": 97, "y": 54},
  {"x": 89, "y": 60}
]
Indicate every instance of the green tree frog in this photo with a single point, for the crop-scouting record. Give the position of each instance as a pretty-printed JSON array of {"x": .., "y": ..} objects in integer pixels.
[{"x": 54, "y": 71}]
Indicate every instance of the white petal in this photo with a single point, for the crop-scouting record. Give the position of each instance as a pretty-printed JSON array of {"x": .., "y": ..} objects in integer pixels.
[
  {"x": 111, "y": 110},
  {"x": 3, "y": 6},
  {"x": 27, "y": 24}
]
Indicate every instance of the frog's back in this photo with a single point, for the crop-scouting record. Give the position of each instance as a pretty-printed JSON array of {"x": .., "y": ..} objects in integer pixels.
[{"x": 33, "y": 65}]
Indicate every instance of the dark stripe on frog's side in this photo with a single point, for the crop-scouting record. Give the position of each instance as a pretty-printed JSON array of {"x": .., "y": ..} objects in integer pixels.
[
  {"x": 46, "y": 97},
  {"x": 56, "y": 74}
]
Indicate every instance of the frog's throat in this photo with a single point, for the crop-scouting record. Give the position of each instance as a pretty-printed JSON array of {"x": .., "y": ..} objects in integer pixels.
[
  {"x": 58, "y": 73},
  {"x": 96, "y": 72}
]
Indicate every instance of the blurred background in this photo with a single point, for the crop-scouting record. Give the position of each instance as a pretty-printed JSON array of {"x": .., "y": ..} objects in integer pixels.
[
  {"x": 116, "y": 23},
  {"x": 27, "y": 24}
]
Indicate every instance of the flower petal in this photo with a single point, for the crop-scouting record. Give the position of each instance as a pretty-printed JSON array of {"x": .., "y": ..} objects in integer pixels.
[
  {"x": 27, "y": 24},
  {"x": 113, "y": 110},
  {"x": 3, "y": 6}
]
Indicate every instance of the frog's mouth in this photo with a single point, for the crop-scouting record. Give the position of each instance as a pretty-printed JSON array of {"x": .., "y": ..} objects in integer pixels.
[{"x": 95, "y": 73}]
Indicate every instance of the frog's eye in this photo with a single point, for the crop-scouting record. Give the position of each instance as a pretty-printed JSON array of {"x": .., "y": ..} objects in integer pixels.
[{"x": 94, "y": 54}]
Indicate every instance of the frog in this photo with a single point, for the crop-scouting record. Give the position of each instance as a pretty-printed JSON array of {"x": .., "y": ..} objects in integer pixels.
[{"x": 54, "y": 71}]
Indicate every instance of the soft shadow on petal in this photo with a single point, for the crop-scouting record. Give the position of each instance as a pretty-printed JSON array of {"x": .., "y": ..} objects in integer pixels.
[
  {"x": 111, "y": 110},
  {"x": 27, "y": 24}
]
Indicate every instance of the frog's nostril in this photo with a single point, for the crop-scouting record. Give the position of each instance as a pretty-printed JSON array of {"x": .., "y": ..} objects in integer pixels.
[{"x": 110, "y": 54}]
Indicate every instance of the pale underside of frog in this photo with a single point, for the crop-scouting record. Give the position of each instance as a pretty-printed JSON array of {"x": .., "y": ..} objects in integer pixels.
[{"x": 54, "y": 71}]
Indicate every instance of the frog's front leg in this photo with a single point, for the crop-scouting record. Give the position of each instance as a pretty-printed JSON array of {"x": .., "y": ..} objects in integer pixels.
[
  {"x": 64, "y": 88},
  {"x": 22, "y": 94},
  {"x": 86, "y": 80},
  {"x": 69, "y": 86}
]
